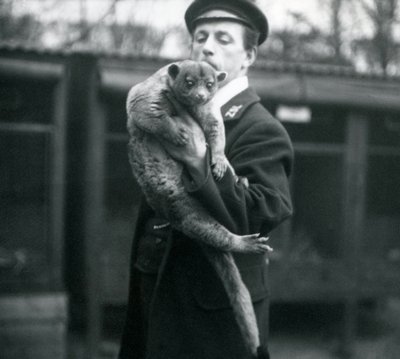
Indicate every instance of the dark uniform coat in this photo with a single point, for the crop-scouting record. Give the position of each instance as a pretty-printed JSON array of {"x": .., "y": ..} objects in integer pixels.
[{"x": 190, "y": 315}]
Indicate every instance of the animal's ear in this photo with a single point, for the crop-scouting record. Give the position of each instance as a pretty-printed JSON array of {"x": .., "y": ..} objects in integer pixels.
[
  {"x": 173, "y": 71},
  {"x": 221, "y": 76}
]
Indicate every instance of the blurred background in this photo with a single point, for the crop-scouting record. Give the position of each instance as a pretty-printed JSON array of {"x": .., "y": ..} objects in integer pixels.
[
  {"x": 362, "y": 34},
  {"x": 329, "y": 71}
]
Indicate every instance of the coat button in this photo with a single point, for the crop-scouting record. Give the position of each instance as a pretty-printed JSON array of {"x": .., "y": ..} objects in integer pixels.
[{"x": 158, "y": 240}]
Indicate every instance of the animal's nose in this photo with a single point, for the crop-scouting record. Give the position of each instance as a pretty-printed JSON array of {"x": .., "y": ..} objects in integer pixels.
[{"x": 201, "y": 96}]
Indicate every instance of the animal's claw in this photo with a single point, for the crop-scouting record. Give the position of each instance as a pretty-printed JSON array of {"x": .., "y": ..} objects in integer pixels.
[
  {"x": 219, "y": 167},
  {"x": 253, "y": 243}
]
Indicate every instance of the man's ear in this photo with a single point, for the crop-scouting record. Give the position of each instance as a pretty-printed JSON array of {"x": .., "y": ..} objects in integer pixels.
[
  {"x": 221, "y": 76},
  {"x": 251, "y": 55},
  {"x": 173, "y": 71}
]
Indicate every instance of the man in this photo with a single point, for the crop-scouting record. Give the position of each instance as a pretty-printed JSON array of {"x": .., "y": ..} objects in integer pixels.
[{"x": 177, "y": 305}]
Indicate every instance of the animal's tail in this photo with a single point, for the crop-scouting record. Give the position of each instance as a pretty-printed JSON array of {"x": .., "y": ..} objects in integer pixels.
[{"x": 239, "y": 297}]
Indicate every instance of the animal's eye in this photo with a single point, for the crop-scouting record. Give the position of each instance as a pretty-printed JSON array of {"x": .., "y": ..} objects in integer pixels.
[
  {"x": 210, "y": 85},
  {"x": 189, "y": 83}
]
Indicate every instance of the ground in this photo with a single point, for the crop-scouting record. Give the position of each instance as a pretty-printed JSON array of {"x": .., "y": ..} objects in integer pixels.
[{"x": 308, "y": 331}]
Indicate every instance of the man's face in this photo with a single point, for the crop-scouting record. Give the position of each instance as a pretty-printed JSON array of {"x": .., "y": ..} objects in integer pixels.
[{"x": 221, "y": 45}]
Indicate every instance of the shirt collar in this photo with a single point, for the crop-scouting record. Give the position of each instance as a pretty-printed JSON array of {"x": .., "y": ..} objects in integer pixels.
[{"x": 230, "y": 90}]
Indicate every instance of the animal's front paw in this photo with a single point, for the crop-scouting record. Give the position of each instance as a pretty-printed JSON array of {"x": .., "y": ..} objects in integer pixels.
[
  {"x": 179, "y": 136},
  {"x": 219, "y": 166}
]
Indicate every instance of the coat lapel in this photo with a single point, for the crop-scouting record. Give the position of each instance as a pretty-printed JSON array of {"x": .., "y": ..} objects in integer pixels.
[{"x": 234, "y": 108}]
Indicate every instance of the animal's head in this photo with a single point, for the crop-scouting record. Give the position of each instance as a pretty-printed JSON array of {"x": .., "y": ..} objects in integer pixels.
[{"x": 194, "y": 82}]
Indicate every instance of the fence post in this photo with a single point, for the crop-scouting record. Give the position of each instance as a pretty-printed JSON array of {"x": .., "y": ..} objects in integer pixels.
[
  {"x": 85, "y": 192},
  {"x": 354, "y": 201}
]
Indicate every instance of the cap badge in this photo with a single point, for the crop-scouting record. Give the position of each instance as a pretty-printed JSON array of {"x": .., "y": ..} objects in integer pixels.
[{"x": 231, "y": 113}]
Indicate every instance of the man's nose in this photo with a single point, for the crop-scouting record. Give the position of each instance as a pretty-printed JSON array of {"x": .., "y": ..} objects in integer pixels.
[{"x": 209, "y": 46}]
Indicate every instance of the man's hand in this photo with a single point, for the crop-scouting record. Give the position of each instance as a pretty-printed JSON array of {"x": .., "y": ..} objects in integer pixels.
[{"x": 194, "y": 153}]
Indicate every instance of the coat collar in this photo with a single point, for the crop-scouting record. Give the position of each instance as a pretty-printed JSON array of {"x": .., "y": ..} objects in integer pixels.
[{"x": 234, "y": 108}]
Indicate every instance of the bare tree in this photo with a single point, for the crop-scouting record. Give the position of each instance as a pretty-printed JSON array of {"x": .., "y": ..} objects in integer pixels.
[
  {"x": 305, "y": 41},
  {"x": 19, "y": 29},
  {"x": 382, "y": 50},
  {"x": 336, "y": 37}
]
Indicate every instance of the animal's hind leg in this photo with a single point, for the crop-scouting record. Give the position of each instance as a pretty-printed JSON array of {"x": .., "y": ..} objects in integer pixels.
[{"x": 187, "y": 215}]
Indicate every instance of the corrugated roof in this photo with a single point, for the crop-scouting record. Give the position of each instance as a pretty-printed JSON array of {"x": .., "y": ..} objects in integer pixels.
[
  {"x": 291, "y": 83},
  {"x": 270, "y": 66}
]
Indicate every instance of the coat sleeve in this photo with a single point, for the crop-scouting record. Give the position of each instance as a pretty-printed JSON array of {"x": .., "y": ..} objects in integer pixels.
[{"x": 261, "y": 151}]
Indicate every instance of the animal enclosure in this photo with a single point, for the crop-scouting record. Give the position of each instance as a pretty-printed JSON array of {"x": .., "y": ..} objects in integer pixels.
[{"x": 68, "y": 198}]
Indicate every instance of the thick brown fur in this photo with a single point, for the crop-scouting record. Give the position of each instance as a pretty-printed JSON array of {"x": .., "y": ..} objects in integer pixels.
[{"x": 150, "y": 112}]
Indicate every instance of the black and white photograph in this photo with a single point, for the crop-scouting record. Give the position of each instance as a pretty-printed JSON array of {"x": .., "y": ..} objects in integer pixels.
[{"x": 199, "y": 179}]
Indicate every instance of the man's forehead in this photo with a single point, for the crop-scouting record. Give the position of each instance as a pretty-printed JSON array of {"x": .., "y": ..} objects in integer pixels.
[{"x": 220, "y": 27}]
